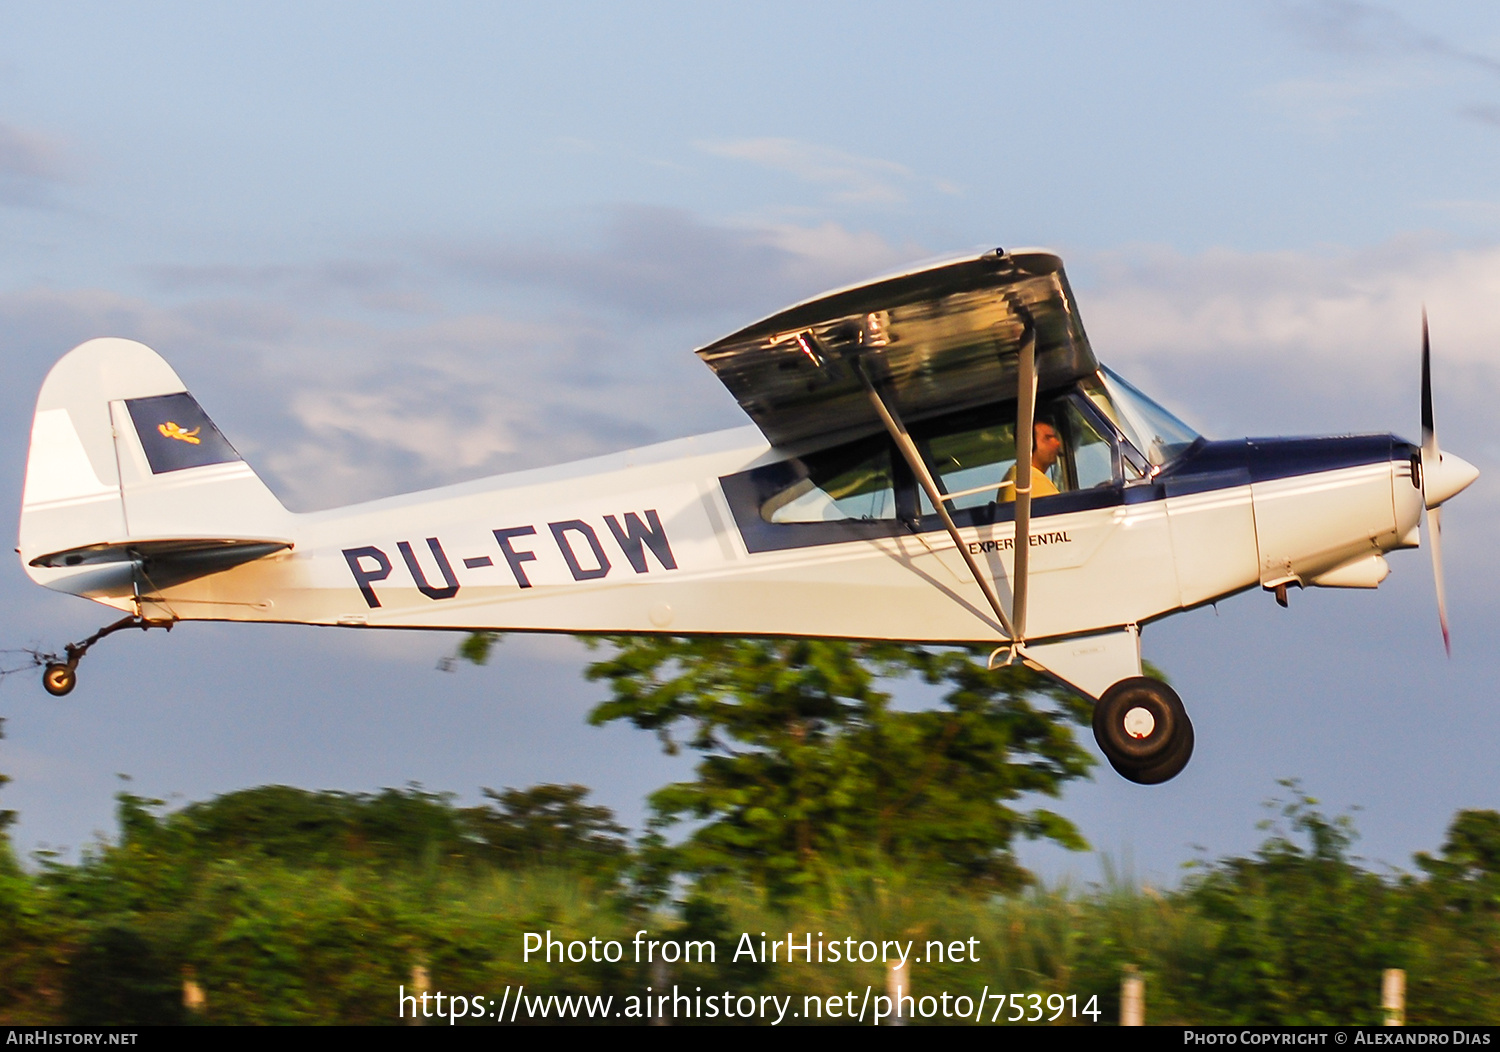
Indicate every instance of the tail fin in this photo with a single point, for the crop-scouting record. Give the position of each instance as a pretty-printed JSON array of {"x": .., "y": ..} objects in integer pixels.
[{"x": 126, "y": 471}]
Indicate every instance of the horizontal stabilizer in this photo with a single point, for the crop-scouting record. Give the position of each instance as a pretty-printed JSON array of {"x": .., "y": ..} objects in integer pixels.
[{"x": 207, "y": 550}]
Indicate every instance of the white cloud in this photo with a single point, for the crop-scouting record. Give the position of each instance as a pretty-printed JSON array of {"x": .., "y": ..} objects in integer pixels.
[
  {"x": 1349, "y": 306},
  {"x": 335, "y": 408},
  {"x": 1305, "y": 342},
  {"x": 1473, "y": 209},
  {"x": 663, "y": 262},
  {"x": 388, "y": 419},
  {"x": 1374, "y": 35},
  {"x": 30, "y": 163},
  {"x": 28, "y": 155},
  {"x": 375, "y": 410},
  {"x": 853, "y": 179},
  {"x": 827, "y": 255},
  {"x": 335, "y": 398},
  {"x": 1324, "y": 101},
  {"x": 1351, "y": 27}
]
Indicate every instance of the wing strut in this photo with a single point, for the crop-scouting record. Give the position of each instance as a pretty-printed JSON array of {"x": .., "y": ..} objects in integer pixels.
[
  {"x": 871, "y": 336},
  {"x": 1025, "y": 419}
]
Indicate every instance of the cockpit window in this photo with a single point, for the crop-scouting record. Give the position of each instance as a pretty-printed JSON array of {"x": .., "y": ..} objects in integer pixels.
[
  {"x": 864, "y": 490},
  {"x": 972, "y": 464},
  {"x": 849, "y": 484},
  {"x": 1089, "y": 453},
  {"x": 977, "y": 465},
  {"x": 1152, "y": 430}
]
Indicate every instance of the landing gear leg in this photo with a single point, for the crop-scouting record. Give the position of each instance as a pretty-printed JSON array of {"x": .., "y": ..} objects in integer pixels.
[
  {"x": 60, "y": 674},
  {"x": 1143, "y": 730}
]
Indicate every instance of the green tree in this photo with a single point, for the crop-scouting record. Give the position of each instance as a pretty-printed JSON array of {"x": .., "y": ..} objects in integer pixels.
[
  {"x": 117, "y": 978},
  {"x": 1303, "y": 931},
  {"x": 1467, "y": 873},
  {"x": 30, "y": 939},
  {"x": 806, "y": 768},
  {"x": 1457, "y": 975},
  {"x": 7, "y": 817},
  {"x": 548, "y": 826}
]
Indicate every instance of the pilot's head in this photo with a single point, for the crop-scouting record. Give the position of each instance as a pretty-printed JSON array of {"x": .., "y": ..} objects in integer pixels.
[{"x": 1046, "y": 445}]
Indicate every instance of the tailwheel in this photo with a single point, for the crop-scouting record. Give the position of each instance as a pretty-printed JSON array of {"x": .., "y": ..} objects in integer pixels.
[
  {"x": 60, "y": 671},
  {"x": 58, "y": 679},
  {"x": 1143, "y": 730}
]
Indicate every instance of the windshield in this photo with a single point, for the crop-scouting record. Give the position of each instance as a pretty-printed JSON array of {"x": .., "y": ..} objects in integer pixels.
[{"x": 1149, "y": 427}]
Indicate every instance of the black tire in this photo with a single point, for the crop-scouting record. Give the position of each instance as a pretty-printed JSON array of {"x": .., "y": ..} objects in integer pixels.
[
  {"x": 1143, "y": 730},
  {"x": 58, "y": 679},
  {"x": 1169, "y": 767}
]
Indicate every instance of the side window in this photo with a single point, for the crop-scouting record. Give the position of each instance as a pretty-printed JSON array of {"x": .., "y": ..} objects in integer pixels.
[
  {"x": 972, "y": 464},
  {"x": 839, "y": 486},
  {"x": 1088, "y": 453},
  {"x": 863, "y": 490},
  {"x": 977, "y": 465}
]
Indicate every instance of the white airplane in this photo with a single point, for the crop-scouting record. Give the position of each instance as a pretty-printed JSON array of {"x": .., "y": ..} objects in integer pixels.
[{"x": 878, "y": 499}]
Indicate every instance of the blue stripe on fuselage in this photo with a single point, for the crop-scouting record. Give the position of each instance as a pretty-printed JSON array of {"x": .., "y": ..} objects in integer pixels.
[
  {"x": 1278, "y": 458},
  {"x": 1238, "y": 462}
]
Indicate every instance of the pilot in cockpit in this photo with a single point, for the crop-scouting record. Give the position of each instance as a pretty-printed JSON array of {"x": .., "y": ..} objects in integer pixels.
[{"x": 1046, "y": 447}]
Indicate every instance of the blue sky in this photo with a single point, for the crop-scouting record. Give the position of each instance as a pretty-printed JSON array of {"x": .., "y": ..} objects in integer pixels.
[{"x": 390, "y": 247}]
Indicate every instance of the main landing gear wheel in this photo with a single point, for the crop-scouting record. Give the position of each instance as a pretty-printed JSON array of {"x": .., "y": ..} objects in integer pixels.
[
  {"x": 1143, "y": 730},
  {"x": 58, "y": 679}
]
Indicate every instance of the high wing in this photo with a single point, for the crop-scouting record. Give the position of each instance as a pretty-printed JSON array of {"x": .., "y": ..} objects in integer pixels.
[
  {"x": 940, "y": 338},
  {"x": 936, "y": 339}
]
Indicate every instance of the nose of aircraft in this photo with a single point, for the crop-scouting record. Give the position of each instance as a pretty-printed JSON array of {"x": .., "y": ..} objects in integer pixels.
[{"x": 1445, "y": 478}]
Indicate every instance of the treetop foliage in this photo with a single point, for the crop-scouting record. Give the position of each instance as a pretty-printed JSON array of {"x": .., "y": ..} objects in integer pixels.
[
  {"x": 806, "y": 767},
  {"x": 1296, "y": 932},
  {"x": 545, "y": 825},
  {"x": 1300, "y": 927},
  {"x": 816, "y": 805},
  {"x": 1471, "y": 851},
  {"x": 7, "y": 818}
]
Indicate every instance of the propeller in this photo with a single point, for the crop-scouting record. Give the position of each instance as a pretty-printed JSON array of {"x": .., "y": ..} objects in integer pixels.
[{"x": 1443, "y": 476}]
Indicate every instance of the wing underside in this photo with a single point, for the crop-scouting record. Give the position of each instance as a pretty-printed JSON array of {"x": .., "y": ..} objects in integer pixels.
[{"x": 936, "y": 340}]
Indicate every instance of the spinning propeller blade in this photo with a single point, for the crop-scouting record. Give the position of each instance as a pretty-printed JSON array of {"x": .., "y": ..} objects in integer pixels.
[
  {"x": 1432, "y": 456},
  {"x": 1435, "y": 539},
  {"x": 1429, "y": 427},
  {"x": 1443, "y": 476}
]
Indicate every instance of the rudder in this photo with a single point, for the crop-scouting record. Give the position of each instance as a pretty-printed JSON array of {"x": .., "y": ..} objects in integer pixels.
[{"x": 125, "y": 468}]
